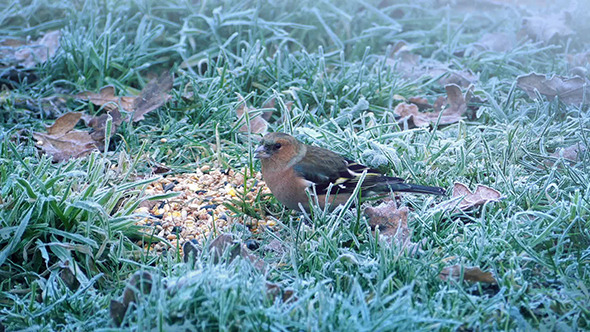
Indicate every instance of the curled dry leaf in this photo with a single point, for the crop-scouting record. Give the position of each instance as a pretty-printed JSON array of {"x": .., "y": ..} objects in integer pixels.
[
  {"x": 462, "y": 78},
  {"x": 106, "y": 97},
  {"x": 392, "y": 223},
  {"x": 548, "y": 29},
  {"x": 275, "y": 291},
  {"x": 153, "y": 95},
  {"x": 464, "y": 199},
  {"x": 33, "y": 53},
  {"x": 571, "y": 154},
  {"x": 64, "y": 123},
  {"x": 225, "y": 246},
  {"x": 140, "y": 282},
  {"x": 258, "y": 125},
  {"x": 456, "y": 107},
  {"x": 574, "y": 90},
  {"x": 98, "y": 124},
  {"x": 62, "y": 142},
  {"x": 411, "y": 66},
  {"x": 474, "y": 274},
  {"x": 190, "y": 248}
]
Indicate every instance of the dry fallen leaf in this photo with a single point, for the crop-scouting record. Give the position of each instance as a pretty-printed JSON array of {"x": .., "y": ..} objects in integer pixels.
[
  {"x": 411, "y": 66},
  {"x": 64, "y": 123},
  {"x": 274, "y": 291},
  {"x": 464, "y": 199},
  {"x": 574, "y": 90},
  {"x": 98, "y": 124},
  {"x": 106, "y": 96},
  {"x": 421, "y": 102},
  {"x": 462, "y": 78},
  {"x": 457, "y": 104},
  {"x": 30, "y": 54},
  {"x": 391, "y": 221},
  {"x": 474, "y": 274},
  {"x": 258, "y": 125},
  {"x": 153, "y": 95},
  {"x": 571, "y": 154},
  {"x": 62, "y": 142},
  {"x": 226, "y": 244},
  {"x": 140, "y": 282},
  {"x": 548, "y": 28},
  {"x": 393, "y": 224}
]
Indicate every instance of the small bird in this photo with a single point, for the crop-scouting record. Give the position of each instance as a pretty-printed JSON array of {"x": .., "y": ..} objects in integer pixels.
[{"x": 289, "y": 167}]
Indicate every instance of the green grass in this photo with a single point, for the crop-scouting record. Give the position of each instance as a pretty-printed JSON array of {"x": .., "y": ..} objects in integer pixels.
[{"x": 328, "y": 58}]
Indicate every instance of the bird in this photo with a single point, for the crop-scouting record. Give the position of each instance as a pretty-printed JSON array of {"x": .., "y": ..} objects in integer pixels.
[{"x": 289, "y": 167}]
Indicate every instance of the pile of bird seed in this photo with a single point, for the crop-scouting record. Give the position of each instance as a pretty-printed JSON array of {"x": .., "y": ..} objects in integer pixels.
[{"x": 199, "y": 212}]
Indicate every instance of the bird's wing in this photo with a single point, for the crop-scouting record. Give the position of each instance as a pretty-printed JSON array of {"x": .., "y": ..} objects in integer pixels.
[{"x": 323, "y": 167}]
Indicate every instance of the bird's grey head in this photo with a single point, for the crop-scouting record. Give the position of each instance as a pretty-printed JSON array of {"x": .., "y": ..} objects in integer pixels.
[{"x": 273, "y": 143}]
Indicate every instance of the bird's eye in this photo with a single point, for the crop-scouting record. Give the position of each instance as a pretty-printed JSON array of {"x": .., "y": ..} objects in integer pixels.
[{"x": 277, "y": 146}]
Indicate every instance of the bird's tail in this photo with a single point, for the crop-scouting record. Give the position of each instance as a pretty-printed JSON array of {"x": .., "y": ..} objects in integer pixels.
[{"x": 395, "y": 185}]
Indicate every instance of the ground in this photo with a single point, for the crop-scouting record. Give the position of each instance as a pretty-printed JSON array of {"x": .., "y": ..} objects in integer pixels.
[{"x": 127, "y": 131}]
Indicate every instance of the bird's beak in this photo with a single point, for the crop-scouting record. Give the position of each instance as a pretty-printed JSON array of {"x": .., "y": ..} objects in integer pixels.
[{"x": 261, "y": 152}]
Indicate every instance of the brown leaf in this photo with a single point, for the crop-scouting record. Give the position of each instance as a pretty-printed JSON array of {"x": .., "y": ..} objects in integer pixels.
[
  {"x": 393, "y": 225},
  {"x": 153, "y": 95},
  {"x": 69, "y": 278},
  {"x": 98, "y": 124},
  {"x": 405, "y": 62},
  {"x": 573, "y": 90},
  {"x": 411, "y": 66},
  {"x": 117, "y": 311},
  {"x": 62, "y": 142},
  {"x": 457, "y": 104},
  {"x": 391, "y": 221},
  {"x": 258, "y": 125},
  {"x": 548, "y": 28},
  {"x": 106, "y": 96},
  {"x": 225, "y": 246},
  {"x": 74, "y": 144},
  {"x": 274, "y": 291},
  {"x": 462, "y": 78},
  {"x": 32, "y": 53},
  {"x": 64, "y": 123},
  {"x": 141, "y": 282},
  {"x": 464, "y": 199},
  {"x": 421, "y": 102},
  {"x": 571, "y": 154},
  {"x": 190, "y": 248},
  {"x": 474, "y": 274}
]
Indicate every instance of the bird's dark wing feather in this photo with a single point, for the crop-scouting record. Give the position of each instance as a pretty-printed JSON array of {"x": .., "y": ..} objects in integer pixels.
[
  {"x": 320, "y": 166},
  {"x": 323, "y": 167}
]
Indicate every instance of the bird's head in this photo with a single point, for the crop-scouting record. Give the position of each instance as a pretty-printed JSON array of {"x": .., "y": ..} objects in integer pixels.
[{"x": 277, "y": 147}]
